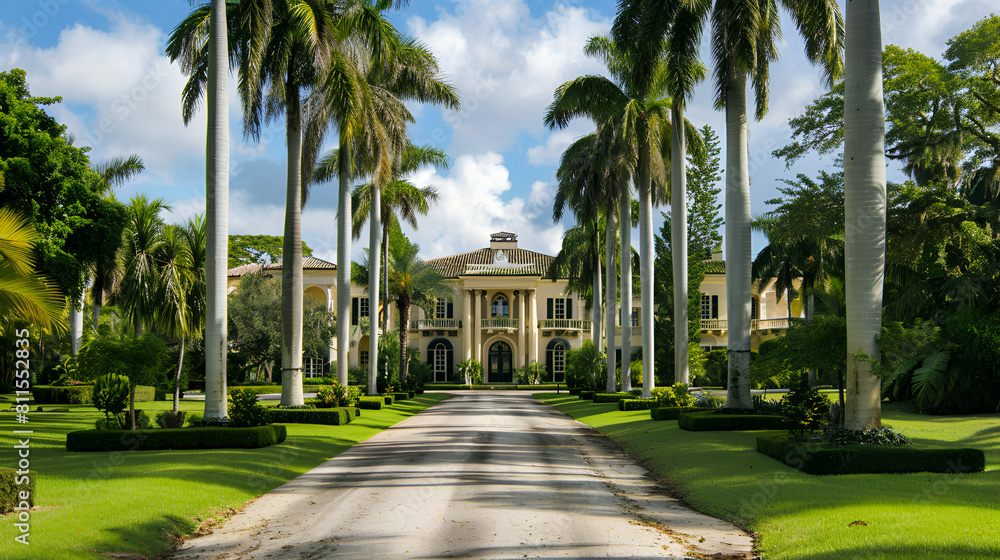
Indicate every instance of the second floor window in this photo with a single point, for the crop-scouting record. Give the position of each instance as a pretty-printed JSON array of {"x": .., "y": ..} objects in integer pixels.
[
  {"x": 441, "y": 310},
  {"x": 500, "y": 307},
  {"x": 709, "y": 307},
  {"x": 635, "y": 316}
]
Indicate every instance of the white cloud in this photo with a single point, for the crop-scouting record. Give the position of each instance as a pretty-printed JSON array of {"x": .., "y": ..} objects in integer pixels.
[{"x": 556, "y": 143}]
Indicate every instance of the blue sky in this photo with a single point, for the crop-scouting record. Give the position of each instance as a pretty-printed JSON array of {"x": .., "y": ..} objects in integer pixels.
[{"x": 121, "y": 95}]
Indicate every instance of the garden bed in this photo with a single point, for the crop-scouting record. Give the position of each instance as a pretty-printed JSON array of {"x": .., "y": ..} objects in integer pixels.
[
  {"x": 719, "y": 421},
  {"x": 329, "y": 416},
  {"x": 826, "y": 458},
  {"x": 175, "y": 438}
]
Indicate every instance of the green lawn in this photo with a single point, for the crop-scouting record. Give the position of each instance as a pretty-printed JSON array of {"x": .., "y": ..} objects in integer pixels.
[
  {"x": 805, "y": 517},
  {"x": 134, "y": 503}
]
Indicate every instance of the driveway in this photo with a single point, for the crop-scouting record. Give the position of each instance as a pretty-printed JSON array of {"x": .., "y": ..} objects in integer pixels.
[{"x": 485, "y": 474}]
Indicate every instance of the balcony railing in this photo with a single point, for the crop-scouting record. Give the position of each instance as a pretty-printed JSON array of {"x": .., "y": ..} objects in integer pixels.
[
  {"x": 755, "y": 324},
  {"x": 499, "y": 324},
  {"x": 635, "y": 329},
  {"x": 565, "y": 324},
  {"x": 436, "y": 324}
]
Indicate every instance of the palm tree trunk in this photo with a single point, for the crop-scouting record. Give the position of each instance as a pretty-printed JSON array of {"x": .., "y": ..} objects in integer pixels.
[
  {"x": 217, "y": 217},
  {"x": 646, "y": 280},
  {"x": 291, "y": 260},
  {"x": 344, "y": 262},
  {"x": 678, "y": 240},
  {"x": 811, "y": 307},
  {"x": 610, "y": 236},
  {"x": 597, "y": 328},
  {"x": 98, "y": 295},
  {"x": 374, "y": 240},
  {"x": 177, "y": 378},
  {"x": 404, "y": 316},
  {"x": 76, "y": 326},
  {"x": 864, "y": 206},
  {"x": 625, "y": 207},
  {"x": 737, "y": 241},
  {"x": 385, "y": 270}
]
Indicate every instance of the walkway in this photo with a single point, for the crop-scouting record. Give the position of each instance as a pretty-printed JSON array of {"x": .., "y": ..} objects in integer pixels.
[{"x": 485, "y": 474}]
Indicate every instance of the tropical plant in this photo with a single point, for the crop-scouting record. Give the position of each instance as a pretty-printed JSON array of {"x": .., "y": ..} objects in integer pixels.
[
  {"x": 110, "y": 396},
  {"x": 470, "y": 372},
  {"x": 804, "y": 409},
  {"x": 245, "y": 410},
  {"x": 584, "y": 366},
  {"x": 24, "y": 294},
  {"x": 676, "y": 395}
]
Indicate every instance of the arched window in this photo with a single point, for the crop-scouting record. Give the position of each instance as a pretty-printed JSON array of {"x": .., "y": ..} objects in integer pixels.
[
  {"x": 500, "y": 307},
  {"x": 555, "y": 360},
  {"x": 440, "y": 361},
  {"x": 440, "y": 358}
]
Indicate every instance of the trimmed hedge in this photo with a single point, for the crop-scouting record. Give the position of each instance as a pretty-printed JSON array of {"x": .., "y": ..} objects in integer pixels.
[
  {"x": 396, "y": 397},
  {"x": 9, "y": 489},
  {"x": 636, "y": 404},
  {"x": 710, "y": 421},
  {"x": 387, "y": 399},
  {"x": 587, "y": 395},
  {"x": 371, "y": 403},
  {"x": 672, "y": 412},
  {"x": 823, "y": 458},
  {"x": 81, "y": 394},
  {"x": 611, "y": 397},
  {"x": 175, "y": 438},
  {"x": 329, "y": 416},
  {"x": 445, "y": 387},
  {"x": 575, "y": 391}
]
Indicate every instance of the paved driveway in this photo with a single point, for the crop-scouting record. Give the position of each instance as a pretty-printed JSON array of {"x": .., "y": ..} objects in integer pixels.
[{"x": 485, "y": 474}]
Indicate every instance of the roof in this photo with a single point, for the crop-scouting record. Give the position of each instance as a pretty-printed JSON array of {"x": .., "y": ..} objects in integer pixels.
[
  {"x": 484, "y": 262},
  {"x": 715, "y": 267},
  {"x": 308, "y": 263}
]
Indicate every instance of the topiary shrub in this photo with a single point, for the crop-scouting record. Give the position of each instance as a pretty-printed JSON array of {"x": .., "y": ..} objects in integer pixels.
[
  {"x": 110, "y": 396},
  {"x": 804, "y": 409},
  {"x": 396, "y": 397},
  {"x": 171, "y": 419},
  {"x": 610, "y": 397},
  {"x": 587, "y": 395},
  {"x": 329, "y": 416},
  {"x": 244, "y": 409},
  {"x": 175, "y": 438},
  {"x": 11, "y": 483},
  {"x": 371, "y": 403},
  {"x": 636, "y": 404},
  {"x": 676, "y": 395},
  {"x": 672, "y": 413},
  {"x": 722, "y": 421},
  {"x": 71, "y": 394},
  {"x": 387, "y": 398},
  {"x": 873, "y": 436}
]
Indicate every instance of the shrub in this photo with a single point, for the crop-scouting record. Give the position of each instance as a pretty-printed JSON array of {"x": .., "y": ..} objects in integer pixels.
[
  {"x": 245, "y": 410},
  {"x": 610, "y": 397},
  {"x": 708, "y": 400},
  {"x": 763, "y": 405},
  {"x": 193, "y": 419},
  {"x": 672, "y": 413},
  {"x": 417, "y": 374},
  {"x": 175, "y": 438},
  {"x": 574, "y": 392},
  {"x": 822, "y": 458},
  {"x": 804, "y": 409},
  {"x": 723, "y": 421},
  {"x": 371, "y": 403},
  {"x": 74, "y": 394},
  {"x": 676, "y": 395},
  {"x": 354, "y": 394},
  {"x": 120, "y": 421},
  {"x": 587, "y": 395},
  {"x": 357, "y": 375},
  {"x": 584, "y": 366},
  {"x": 874, "y": 436},
  {"x": 332, "y": 396},
  {"x": 170, "y": 419},
  {"x": 9, "y": 489},
  {"x": 636, "y": 404},
  {"x": 329, "y": 416},
  {"x": 530, "y": 374},
  {"x": 110, "y": 395},
  {"x": 400, "y": 396},
  {"x": 470, "y": 372},
  {"x": 387, "y": 399}
]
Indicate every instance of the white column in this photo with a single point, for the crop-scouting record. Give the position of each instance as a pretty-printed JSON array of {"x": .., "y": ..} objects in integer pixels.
[
  {"x": 533, "y": 328},
  {"x": 521, "y": 321},
  {"x": 467, "y": 326},
  {"x": 477, "y": 332}
]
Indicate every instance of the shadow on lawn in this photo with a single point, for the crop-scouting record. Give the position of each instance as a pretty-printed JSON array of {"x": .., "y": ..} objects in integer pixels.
[
  {"x": 144, "y": 540},
  {"x": 875, "y": 550}
]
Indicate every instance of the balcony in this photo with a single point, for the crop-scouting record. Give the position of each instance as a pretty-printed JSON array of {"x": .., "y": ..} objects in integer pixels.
[
  {"x": 499, "y": 324},
  {"x": 565, "y": 324},
  {"x": 755, "y": 324},
  {"x": 435, "y": 324}
]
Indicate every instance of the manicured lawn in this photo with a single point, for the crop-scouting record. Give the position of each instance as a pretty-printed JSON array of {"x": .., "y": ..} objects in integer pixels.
[
  {"x": 805, "y": 517},
  {"x": 92, "y": 505}
]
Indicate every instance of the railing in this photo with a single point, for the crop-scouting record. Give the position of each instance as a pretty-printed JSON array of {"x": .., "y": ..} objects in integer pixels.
[
  {"x": 436, "y": 324},
  {"x": 755, "y": 324},
  {"x": 635, "y": 329},
  {"x": 565, "y": 324},
  {"x": 499, "y": 324}
]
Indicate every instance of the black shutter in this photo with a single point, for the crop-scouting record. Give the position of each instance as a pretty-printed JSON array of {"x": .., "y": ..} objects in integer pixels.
[
  {"x": 548, "y": 361},
  {"x": 548, "y": 307},
  {"x": 715, "y": 307},
  {"x": 569, "y": 308},
  {"x": 451, "y": 311},
  {"x": 430, "y": 356},
  {"x": 449, "y": 364},
  {"x": 354, "y": 311}
]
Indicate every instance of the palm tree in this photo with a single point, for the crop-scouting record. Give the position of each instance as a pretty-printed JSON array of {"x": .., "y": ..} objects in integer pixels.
[
  {"x": 202, "y": 48},
  {"x": 744, "y": 43},
  {"x": 637, "y": 116},
  {"x": 172, "y": 315},
  {"x": 579, "y": 259},
  {"x": 865, "y": 207},
  {"x": 24, "y": 295}
]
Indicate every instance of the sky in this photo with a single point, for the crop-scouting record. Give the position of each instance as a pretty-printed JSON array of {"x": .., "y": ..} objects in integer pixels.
[{"x": 121, "y": 95}]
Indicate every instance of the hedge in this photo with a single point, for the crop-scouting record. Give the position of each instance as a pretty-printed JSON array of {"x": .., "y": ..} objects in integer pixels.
[
  {"x": 587, "y": 395},
  {"x": 9, "y": 489},
  {"x": 824, "y": 458},
  {"x": 329, "y": 416},
  {"x": 388, "y": 399},
  {"x": 446, "y": 386},
  {"x": 636, "y": 404},
  {"x": 398, "y": 396},
  {"x": 371, "y": 403},
  {"x": 611, "y": 397},
  {"x": 81, "y": 394},
  {"x": 575, "y": 391},
  {"x": 672, "y": 412},
  {"x": 175, "y": 438},
  {"x": 711, "y": 421}
]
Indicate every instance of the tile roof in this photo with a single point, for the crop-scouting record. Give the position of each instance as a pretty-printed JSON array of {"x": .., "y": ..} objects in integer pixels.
[
  {"x": 715, "y": 267},
  {"x": 308, "y": 263},
  {"x": 519, "y": 262}
]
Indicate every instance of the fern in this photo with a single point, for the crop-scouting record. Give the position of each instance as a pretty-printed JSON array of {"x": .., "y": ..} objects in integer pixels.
[{"x": 929, "y": 379}]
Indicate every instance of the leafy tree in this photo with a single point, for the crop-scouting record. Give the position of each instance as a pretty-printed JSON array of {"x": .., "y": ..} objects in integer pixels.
[
  {"x": 704, "y": 222},
  {"x": 664, "y": 293},
  {"x": 141, "y": 359},
  {"x": 259, "y": 249}
]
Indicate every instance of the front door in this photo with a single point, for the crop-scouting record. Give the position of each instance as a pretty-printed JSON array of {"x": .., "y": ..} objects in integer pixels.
[{"x": 501, "y": 364}]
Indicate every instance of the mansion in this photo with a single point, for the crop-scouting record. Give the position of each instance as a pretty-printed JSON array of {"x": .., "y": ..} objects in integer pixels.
[{"x": 507, "y": 312}]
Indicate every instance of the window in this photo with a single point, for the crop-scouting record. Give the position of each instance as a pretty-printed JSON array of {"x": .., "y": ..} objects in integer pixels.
[
  {"x": 635, "y": 316},
  {"x": 312, "y": 367},
  {"x": 706, "y": 306},
  {"x": 559, "y": 362},
  {"x": 363, "y": 358},
  {"x": 500, "y": 307},
  {"x": 363, "y": 307},
  {"x": 560, "y": 309},
  {"x": 441, "y": 311},
  {"x": 440, "y": 362}
]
